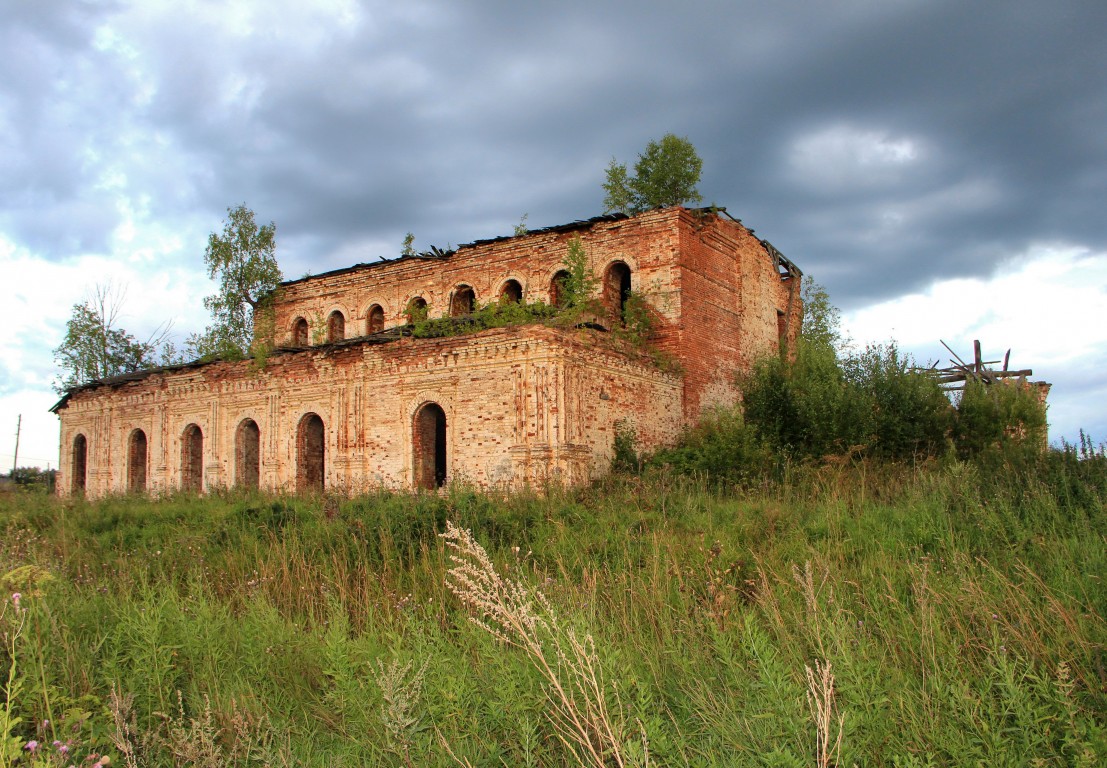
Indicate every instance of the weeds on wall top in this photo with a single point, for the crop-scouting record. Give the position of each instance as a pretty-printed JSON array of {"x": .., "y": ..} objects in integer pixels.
[
  {"x": 498, "y": 314},
  {"x": 577, "y": 304}
]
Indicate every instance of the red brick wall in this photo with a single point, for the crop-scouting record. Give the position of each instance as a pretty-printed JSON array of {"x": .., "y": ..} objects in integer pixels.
[
  {"x": 523, "y": 405},
  {"x": 712, "y": 284}
]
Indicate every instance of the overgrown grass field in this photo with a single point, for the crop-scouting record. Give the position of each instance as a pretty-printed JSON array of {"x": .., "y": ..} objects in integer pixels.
[{"x": 843, "y": 612}]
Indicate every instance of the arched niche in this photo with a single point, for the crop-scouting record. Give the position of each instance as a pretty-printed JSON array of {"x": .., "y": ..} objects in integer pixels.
[
  {"x": 79, "y": 464},
  {"x": 311, "y": 446},
  {"x": 429, "y": 446},
  {"x": 247, "y": 454},
  {"x": 192, "y": 459},
  {"x": 136, "y": 461},
  {"x": 336, "y": 327}
]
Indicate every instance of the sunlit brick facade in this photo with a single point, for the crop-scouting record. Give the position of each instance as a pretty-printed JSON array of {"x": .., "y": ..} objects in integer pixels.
[{"x": 346, "y": 403}]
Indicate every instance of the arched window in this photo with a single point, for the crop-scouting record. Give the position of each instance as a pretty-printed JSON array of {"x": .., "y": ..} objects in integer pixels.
[
  {"x": 512, "y": 292},
  {"x": 192, "y": 459},
  {"x": 80, "y": 464},
  {"x": 557, "y": 288},
  {"x": 375, "y": 319},
  {"x": 616, "y": 289},
  {"x": 136, "y": 462},
  {"x": 416, "y": 310},
  {"x": 247, "y": 454},
  {"x": 463, "y": 302},
  {"x": 310, "y": 454},
  {"x": 300, "y": 332},
  {"x": 336, "y": 327},
  {"x": 429, "y": 445}
]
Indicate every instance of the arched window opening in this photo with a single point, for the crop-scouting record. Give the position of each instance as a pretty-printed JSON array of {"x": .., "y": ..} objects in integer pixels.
[
  {"x": 375, "y": 319},
  {"x": 80, "y": 464},
  {"x": 463, "y": 302},
  {"x": 310, "y": 450},
  {"x": 192, "y": 459},
  {"x": 558, "y": 295},
  {"x": 247, "y": 454},
  {"x": 429, "y": 444},
  {"x": 136, "y": 462},
  {"x": 616, "y": 289},
  {"x": 300, "y": 332},
  {"x": 336, "y": 327},
  {"x": 512, "y": 292},
  {"x": 416, "y": 310}
]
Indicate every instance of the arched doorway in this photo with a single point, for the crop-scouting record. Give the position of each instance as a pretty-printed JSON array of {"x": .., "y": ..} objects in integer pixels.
[
  {"x": 336, "y": 327},
  {"x": 80, "y": 464},
  {"x": 375, "y": 321},
  {"x": 616, "y": 289},
  {"x": 463, "y": 302},
  {"x": 558, "y": 297},
  {"x": 300, "y": 332},
  {"x": 310, "y": 454},
  {"x": 247, "y": 454},
  {"x": 429, "y": 445},
  {"x": 416, "y": 310},
  {"x": 136, "y": 462},
  {"x": 192, "y": 459},
  {"x": 512, "y": 292}
]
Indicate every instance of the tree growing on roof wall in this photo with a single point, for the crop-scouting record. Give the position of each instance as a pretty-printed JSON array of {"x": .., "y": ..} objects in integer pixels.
[
  {"x": 243, "y": 260},
  {"x": 666, "y": 173},
  {"x": 95, "y": 347}
]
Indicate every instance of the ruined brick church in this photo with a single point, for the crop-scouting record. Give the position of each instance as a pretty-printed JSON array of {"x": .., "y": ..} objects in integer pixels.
[{"x": 348, "y": 401}]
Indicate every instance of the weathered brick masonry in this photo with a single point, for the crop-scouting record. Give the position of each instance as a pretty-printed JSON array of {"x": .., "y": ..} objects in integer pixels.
[{"x": 336, "y": 408}]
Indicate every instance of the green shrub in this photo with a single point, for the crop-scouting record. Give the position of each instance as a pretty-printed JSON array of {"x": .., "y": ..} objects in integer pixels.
[
  {"x": 499, "y": 314},
  {"x": 910, "y": 415},
  {"x": 723, "y": 448},
  {"x": 998, "y": 415},
  {"x": 807, "y": 406}
]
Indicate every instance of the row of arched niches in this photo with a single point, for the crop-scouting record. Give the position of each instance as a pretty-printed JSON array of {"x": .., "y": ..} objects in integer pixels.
[
  {"x": 463, "y": 301},
  {"x": 428, "y": 442}
]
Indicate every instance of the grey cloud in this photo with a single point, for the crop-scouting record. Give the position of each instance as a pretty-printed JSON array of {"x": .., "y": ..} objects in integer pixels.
[{"x": 452, "y": 121}]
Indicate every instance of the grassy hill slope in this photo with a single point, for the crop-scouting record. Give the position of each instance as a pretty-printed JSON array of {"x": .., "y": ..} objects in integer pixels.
[{"x": 848, "y": 612}]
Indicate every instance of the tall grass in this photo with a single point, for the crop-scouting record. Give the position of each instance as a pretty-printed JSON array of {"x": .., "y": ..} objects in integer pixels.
[{"x": 840, "y": 612}]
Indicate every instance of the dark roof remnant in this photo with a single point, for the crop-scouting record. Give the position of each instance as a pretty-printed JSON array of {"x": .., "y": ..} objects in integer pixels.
[{"x": 439, "y": 254}]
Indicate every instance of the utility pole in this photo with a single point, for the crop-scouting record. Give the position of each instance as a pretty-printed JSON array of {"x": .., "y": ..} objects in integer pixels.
[{"x": 15, "y": 460}]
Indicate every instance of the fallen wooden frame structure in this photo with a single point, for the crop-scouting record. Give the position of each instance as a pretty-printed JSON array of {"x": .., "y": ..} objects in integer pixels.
[{"x": 959, "y": 373}]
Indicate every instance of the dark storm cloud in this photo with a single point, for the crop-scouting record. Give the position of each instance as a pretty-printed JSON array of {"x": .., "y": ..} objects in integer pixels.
[
  {"x": 1003, "y": 104},
  {"x": 880, "y": 145}
]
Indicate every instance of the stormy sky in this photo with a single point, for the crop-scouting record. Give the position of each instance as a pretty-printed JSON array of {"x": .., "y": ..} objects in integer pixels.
[{"x": 941, "y": 167}]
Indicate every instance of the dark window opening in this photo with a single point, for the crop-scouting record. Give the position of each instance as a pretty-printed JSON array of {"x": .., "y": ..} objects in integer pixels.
[
  {"x": 300, "y": 332},
  {"x": 416, "y": 310},
  {"x": 375, "y": 322},
  {"x": 192, "y": 459},
  {"x": 429, "y": 442},
  {"x": 781, "y": 325},
  {"x": 247, "y": 454},
  {"x": 80, "y": 464},
  {"x": 558, "y": 296},
  {"x": 616, "y": 289},
  {"x": 463, "y": 301},
  {"x": 310, "y": 450},
  {"x": 512, "y": 292},
  {"x": 136, "y": 462},
  {"x": 336, "y": 327}
]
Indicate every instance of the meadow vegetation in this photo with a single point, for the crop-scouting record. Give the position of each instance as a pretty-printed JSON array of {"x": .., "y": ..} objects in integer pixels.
[
  {"x": 849, "y": 573},
  {"x": 860, "y": 611}
]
